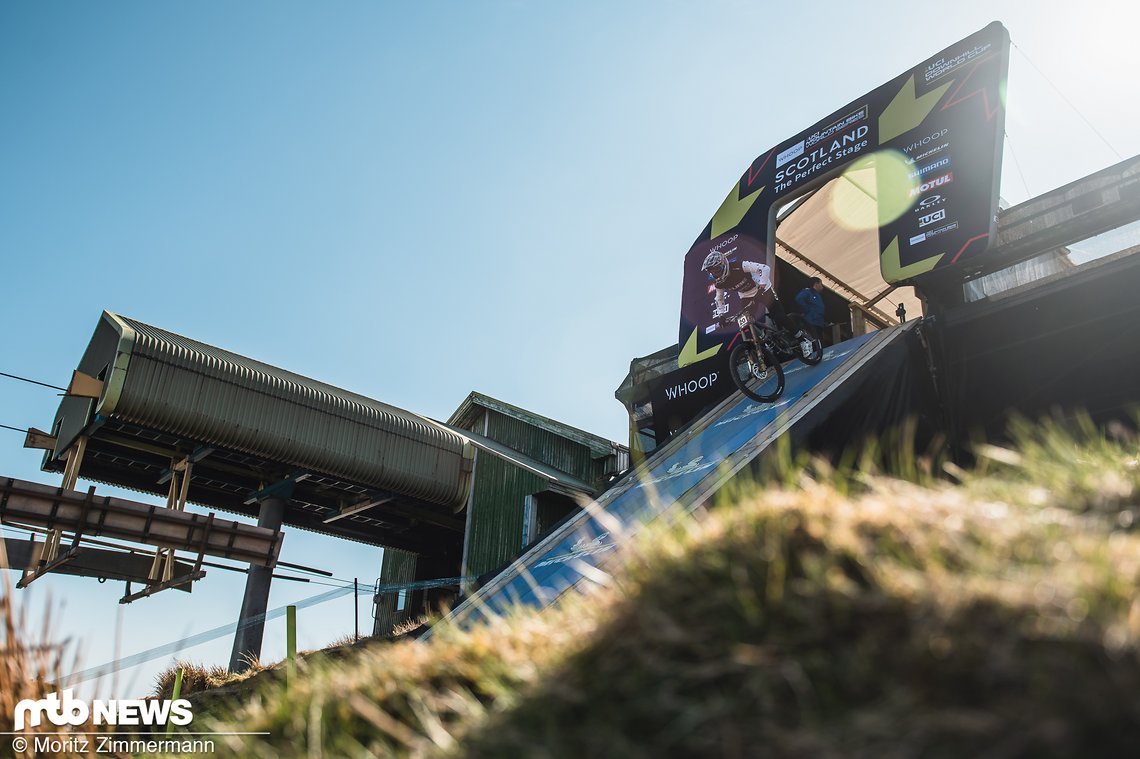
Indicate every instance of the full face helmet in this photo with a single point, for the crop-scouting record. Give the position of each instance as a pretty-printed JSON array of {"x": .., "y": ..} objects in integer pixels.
[{"x": 716, "y": 264}]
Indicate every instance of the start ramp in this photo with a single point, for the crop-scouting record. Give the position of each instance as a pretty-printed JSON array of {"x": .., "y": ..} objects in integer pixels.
[{"x": 681, "y": 476}]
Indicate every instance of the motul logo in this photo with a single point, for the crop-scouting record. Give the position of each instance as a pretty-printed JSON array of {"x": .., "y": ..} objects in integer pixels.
[{"x": 946, "y": 178}]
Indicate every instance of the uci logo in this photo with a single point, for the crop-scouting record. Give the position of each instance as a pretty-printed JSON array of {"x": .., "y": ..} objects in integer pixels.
[
  {"x": 927, "y": 203},
  {"x": 931, "y": 218}
]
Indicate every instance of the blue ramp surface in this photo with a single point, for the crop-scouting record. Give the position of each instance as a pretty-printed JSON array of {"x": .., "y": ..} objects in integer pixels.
[{"x": 675, "y": 480}]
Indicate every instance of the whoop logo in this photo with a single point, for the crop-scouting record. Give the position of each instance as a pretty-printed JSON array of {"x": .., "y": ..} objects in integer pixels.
[
  {"x": 75, "y": 712},
  {"x": 692, "y": 386}
]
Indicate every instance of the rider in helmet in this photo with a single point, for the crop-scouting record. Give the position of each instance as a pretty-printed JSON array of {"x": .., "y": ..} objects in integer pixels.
[{"x": 749, "y": 280}]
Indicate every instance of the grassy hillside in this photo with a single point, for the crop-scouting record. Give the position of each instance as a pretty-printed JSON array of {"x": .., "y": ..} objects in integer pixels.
[
  {"x": 991, "y": 613},
  {"x": 839, "y": 615}
]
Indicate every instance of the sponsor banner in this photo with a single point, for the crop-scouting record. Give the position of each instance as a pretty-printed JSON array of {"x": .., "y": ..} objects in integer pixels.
[
  {"x": 720, "y": 305},
  {"x": 840, "y": 148},
  {"x": 943, "y": 119},
  {"x": 684, "y": 393}
]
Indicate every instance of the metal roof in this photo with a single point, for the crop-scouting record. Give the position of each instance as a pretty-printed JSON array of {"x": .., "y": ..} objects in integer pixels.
[
  {"x": 469, "y": 410},
  {"x": 164, "y": 396}
]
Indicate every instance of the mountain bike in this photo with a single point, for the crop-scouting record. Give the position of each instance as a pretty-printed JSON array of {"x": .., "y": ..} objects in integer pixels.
[{"x": 754, "y": 357}]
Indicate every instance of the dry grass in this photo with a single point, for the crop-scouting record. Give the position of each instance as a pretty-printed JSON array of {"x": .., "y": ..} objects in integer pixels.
[
  {"x": 349, "y": 639},
  {"x": 195, "y": 678},
  {"x": 30, "y": 666},
  {"x": 412, "y": 627},
  {"x": 844, "y": 614}
]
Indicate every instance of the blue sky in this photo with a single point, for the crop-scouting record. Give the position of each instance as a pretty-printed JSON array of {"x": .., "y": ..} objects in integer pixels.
[{"x": 417, "y": 200}]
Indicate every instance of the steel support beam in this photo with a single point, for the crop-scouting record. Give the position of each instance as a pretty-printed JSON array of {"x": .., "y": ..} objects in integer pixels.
[
  {"x": 31, "y": 503},
  {"x": 101, "y": 563},
  {"x": 251, "y": 622}
]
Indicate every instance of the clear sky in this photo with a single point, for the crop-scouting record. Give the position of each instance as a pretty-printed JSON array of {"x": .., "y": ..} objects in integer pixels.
[{"x": 416, "y": 200}]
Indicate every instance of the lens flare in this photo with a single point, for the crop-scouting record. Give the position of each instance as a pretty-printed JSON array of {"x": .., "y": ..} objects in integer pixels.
[{"x": 872, "y": 191}]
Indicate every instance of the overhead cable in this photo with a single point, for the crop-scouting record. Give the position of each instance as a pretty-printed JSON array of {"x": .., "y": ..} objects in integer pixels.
[
  {"x": 32, "y": 381},
  {"x": 178, "y": 646},
  {"x": 1069, "y": 102},
  {"x": 1017, "y": 165}
]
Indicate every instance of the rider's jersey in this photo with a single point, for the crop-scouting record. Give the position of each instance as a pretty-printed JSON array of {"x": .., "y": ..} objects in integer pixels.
[{"x": 746, "y": 279}]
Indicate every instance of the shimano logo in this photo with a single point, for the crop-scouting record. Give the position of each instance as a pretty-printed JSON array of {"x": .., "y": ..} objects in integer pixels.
[
  {"x": 935, "y": 166},
  {"x": 75, "y": 712}
]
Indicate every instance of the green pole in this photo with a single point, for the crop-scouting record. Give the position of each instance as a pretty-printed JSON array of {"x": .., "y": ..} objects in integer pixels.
[
  {"x": 175, "y": 695},
  {"x": 290, "y": 644}
]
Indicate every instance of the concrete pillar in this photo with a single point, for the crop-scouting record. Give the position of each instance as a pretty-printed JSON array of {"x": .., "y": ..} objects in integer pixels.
[{"x": 247, "y": 641}]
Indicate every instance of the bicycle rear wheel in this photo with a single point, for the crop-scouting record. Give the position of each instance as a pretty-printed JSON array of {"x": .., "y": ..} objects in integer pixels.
[{"x": 815, "y": 355}]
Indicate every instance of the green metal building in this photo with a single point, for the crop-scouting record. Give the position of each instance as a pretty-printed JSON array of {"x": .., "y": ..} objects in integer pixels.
[{"x": 529, "y": 474}]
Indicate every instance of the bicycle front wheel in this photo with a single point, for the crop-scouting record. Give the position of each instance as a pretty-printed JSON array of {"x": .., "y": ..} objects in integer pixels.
[{"x": 756, "y": 372}]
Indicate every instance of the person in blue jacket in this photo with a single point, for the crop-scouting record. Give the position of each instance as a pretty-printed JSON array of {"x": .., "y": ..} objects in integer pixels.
[{"x": 811, "y": 303}]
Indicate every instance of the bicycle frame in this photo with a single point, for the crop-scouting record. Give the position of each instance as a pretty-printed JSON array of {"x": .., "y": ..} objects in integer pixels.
[
  {"x": 753, "y": 351},
  {"x": 780, "y": 342},
  {"x": 749, "y": 331}
]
